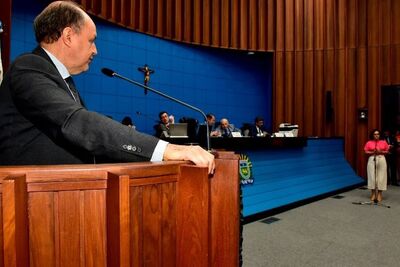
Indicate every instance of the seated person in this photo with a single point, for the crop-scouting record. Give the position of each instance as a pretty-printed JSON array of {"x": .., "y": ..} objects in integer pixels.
[
  {"x": 212, "y": 125},
  {"x": 128, "y": 122},
  {"x": 225, "y": 129},
  {"x": 258, "y": 130},
  {"x": 163, "y": 126}
]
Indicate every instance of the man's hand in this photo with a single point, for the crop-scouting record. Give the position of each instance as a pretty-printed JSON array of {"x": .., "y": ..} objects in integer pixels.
[{"x": 195, "y": 154}]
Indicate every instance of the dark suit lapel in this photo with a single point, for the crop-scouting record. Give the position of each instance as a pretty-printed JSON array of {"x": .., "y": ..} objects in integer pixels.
[{"x": 40, "y": 52}]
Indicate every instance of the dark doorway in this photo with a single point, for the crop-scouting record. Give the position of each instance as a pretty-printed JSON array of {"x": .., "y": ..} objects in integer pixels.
[{"x": 390, "y": 108}]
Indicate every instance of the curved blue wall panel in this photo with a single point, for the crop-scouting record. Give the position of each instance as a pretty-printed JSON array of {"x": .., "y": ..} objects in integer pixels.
[{"x": 286, "y": 176}]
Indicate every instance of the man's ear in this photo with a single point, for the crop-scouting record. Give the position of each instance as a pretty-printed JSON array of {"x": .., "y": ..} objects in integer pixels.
[{"x": 66, "y": 36}]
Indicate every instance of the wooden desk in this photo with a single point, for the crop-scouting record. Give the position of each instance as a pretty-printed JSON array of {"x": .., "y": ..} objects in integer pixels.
[
  {"x": 246, "y": 143},
  {"x": 137, "y": 214}
]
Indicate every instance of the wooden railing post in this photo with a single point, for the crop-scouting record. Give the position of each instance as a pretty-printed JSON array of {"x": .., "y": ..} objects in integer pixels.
[
  {"x": 15, "y": 222},
  {"x": 193, "y": 217},
  {"x": 118, "y": 219},
  {"x": 225, "y": 211}
]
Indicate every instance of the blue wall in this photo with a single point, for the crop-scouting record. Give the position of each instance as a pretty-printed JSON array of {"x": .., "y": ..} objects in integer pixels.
[
  {"x": 285, "y": 176},
  {"x": 227, "y": 83}
]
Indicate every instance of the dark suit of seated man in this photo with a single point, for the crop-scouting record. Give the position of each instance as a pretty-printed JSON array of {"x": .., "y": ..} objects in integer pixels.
[
  {"x": 258, "y": 130},
  {"x": 42, "y": 117}
]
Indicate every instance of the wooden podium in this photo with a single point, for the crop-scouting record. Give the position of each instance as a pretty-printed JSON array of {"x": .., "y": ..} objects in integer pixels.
[{"x": 131, "y": 214}]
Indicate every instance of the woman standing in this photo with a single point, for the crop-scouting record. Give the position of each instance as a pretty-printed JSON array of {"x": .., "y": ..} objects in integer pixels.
[{"x": 376, "y": 168}]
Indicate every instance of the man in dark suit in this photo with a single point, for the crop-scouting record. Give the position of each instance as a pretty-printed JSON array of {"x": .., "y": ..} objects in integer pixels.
[
  {"x": 162, "y": 130},
  {"x": 42, "y": 117},
  {"x": 258, "y": 130}
]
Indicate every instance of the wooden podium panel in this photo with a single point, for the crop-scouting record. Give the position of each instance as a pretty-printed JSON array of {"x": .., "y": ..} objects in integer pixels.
[{"x": 136, "y": 214}]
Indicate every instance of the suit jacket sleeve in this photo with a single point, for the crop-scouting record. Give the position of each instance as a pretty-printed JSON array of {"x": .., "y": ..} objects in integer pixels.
[{"x": 41, "y": 95}]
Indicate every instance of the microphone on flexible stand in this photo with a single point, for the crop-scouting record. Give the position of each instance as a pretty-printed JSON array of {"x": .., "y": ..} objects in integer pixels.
[{"x": 112, "y": 73}]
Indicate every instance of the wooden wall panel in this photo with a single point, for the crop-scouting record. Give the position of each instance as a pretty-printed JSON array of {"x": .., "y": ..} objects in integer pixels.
[
  {"x": 169, "y": 19},
  {"x": 373, "y": 22},
  {"x": 143, "y": 15},
  {"x": 351, "y": 104},
  {"x": 362, "y": 30},
  {"x": 187, "y": 21},
  {"x": 234, "y": 23},
  {"x": 395, "y": 22},
  {"x": 262, "y": 25},
  {"x": 385, "y": 65},
  {"x": 197, "y": 20},
  {"x": 280, "y": 26},
  {"x": 361, "y": 78},
  {"x": 225, "y": 20},
  {"x": 308, "y": 97},
  {"x": 299, "y": 88},
  {"x": 168, "y": 220},
  {"x": 92, "y": 205},
  {"x": 289, "y": 32},
  {"x": 341, "y": 24},
  {"x": 384, "y": 26},
  {"x": 178, "y": 23},
  {"x": 331, "y": 19},
  {"x": 373, "y": 88},
  {"x": 351, "y": 31},
  {"x": 152, "y": 16},
  {"x": 216, "y": 23},
  {"x": 319, "y": 93},
  {"x": 253, "y": 25},
  {"x": 42, "y": 216},
  {"x": 244, "y": 24},
  {"x": 319, "y": 29},
  {"x": 271, "y": 25},
  {"x": 299, "y": 25},
  {"x": 279, "y": 96},
  {"x": 136, "y": 227},
  {"x": 160, "y": 18},
  {"x": 152, "y": 213},
  {"x": 289, "y": 87},
  {"x": 395, "y": 64},
  {"x": 207, "y": 22},
  {"x": 308, "y": 25},
  {"x": 330, "y": 85},
  {"x": 340, "y": 92},
  {"x": 69, "y": 227}
]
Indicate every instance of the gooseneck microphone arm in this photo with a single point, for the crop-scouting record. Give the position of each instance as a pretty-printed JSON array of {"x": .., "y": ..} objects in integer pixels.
[{"x": 112, "y": 73}]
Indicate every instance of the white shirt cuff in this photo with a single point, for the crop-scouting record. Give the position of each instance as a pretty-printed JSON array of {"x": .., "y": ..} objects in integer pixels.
[{"x": 158, "y": 153}]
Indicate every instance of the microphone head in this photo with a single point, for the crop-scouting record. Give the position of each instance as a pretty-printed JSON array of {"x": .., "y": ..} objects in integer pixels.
[{"x": 108, "y": 72}]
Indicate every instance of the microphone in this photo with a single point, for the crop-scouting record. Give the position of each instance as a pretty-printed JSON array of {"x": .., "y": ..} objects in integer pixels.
[
  {"x": 111, "y": 73},
  {"x": 108, "y": 72}
]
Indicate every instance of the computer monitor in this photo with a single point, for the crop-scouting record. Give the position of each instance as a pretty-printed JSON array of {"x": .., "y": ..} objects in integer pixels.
[{"x": 178, "y": 130}]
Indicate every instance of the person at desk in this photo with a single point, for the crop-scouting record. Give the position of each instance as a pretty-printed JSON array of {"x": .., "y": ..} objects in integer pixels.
[
  {"x": 376, "y": 167},
  {"x": 128, "y": 122},
  {"x": 225, "y": 129},
  {"x": 258, "y": 130},
  {"x": 163, "y": 126},
  {"x": 211, "y": 125},
  {"x": 43, "y": 119}
]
